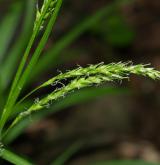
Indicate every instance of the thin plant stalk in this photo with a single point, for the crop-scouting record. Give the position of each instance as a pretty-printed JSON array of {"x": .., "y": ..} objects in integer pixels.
[
  {"x": 19, "y": 82},
  {"x": 13, "y": 158}
]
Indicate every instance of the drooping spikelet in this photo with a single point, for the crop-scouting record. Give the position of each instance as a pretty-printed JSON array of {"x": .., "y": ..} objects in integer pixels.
[{"x": 84, "y": 77}]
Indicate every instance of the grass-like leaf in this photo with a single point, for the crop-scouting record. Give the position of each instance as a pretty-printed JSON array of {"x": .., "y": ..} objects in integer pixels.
[
  {"x": 76, "y": 78},
  {"x": 124, "y": 162},
  {"x": 8, "y": 27},
  {"x": 8, "y": 68},
  {"x": 13, "y": 158},
  {"x": 20, "y": 79},
  {"x": 62, "y": 159}
]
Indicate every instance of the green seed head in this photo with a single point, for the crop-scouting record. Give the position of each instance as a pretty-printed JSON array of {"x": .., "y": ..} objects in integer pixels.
[
  {"x": 45, "y": 12},
  {"x": 89, "y": 76}
]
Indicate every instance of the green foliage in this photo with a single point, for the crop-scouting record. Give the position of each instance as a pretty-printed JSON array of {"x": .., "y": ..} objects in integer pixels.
[
  {"x": 19, "y": 81},
  {"x": 10, "y": 62},
  {"x": 13, "y": 158},
  {"x": 62, "y": 159},
  {"x": 124, "y": 162},
  {"x": 76, "y": 79},
  {"x": 8, "y": 26},
  {"x": 118, "y": 32},
  {"x": 115, "y": 31}
]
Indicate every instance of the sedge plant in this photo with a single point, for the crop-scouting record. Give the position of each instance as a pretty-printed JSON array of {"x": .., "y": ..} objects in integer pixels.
[{"x": 76, "y": 79}]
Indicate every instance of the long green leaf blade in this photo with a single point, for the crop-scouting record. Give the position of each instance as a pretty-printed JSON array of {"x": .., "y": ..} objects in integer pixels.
[
  {"x": 13, "y": 158},
  {"x": 8, "y": 27},
  {"x": 124, "y": 162},
  {"x": 62, "y": 159},
  {"x": 8, "y": 67},
  {"x": 19, "y": 83}
]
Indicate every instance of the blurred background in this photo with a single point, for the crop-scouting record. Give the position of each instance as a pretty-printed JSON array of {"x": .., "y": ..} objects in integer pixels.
[{"x": 114, "y": 121}]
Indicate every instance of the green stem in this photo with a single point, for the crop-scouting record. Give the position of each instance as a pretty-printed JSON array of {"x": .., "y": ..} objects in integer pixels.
[
  {"x": 13, "y": 158},
  {"x": 11, "y": 99},
  {"x": 62, "y": 159},
  {"x": 19, "y": 81},
  {"x": 8, "y": 67}
]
